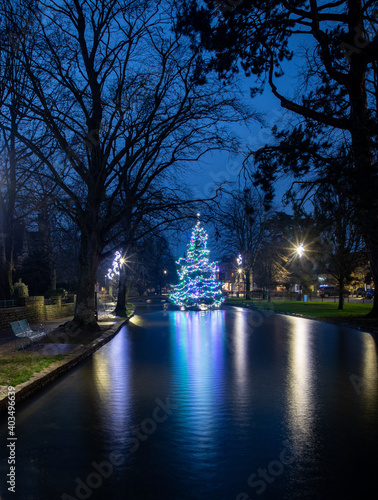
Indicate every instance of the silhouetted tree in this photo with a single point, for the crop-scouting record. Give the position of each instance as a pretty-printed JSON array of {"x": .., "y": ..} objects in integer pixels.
[
  {"x": 242, "y": 224},
  {"x": 117, "y": 102},
  {"x": 340, "y": 241},
  {"x": 277, "y": 249},
  {"x": 336, "y": 44}
]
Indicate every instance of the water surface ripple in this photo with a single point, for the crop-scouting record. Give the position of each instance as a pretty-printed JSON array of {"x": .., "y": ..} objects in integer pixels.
[{"x": 228, "y": 404}]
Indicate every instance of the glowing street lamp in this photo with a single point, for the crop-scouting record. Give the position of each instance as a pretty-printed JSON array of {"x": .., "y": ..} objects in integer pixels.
[
  {"x": 240, "y": 272},
  {"x": 300, "y": 250},
  {"x": 117, "y": 263},
  {"x": 239, "y": 260}
]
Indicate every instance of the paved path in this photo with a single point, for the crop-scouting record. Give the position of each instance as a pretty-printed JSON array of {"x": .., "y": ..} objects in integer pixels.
[
  {"x": 75, "y": 354},
  {"x": 8, "y": 340}
]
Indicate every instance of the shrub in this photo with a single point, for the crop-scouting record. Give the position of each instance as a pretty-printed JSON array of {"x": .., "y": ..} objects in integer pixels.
[
  {"x": 20, "y": 289},
  {"x": 56, "y": 293}
]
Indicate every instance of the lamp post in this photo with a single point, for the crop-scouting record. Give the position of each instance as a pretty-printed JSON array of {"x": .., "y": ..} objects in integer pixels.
[
  {"x": 239, "y": 261},
  {"x": 165, "y": 272},
  {"x": 240, "y": 271},
  {"x": 300, "y": 252},
  {"x": 97, "y": 289},
  {"x": 119, "y": 270}
]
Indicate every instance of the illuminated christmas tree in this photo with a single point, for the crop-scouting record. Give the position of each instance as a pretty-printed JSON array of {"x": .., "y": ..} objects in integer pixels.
[{"x": 198, "y": 286}]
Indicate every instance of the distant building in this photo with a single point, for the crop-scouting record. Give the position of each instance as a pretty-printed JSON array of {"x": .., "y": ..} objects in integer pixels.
[{"x": 233, "y": 280}]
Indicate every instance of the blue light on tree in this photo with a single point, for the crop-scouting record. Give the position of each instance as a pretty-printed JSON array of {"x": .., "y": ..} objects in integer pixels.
[
  {"x": 117, "y": 262},
  {"x": 198, "y": 286}
]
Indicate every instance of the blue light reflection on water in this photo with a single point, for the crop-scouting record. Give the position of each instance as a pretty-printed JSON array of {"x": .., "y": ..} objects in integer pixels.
[
  {"x": 112, "y": 382},
  {"x": 240, "y": 384},
  {"x": 197, "y": 371}
]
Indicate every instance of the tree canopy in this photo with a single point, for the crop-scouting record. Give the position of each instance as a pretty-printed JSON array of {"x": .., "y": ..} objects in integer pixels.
[
  {"x": 335, "y": 47},
  {"x": 114, "y": 111}
]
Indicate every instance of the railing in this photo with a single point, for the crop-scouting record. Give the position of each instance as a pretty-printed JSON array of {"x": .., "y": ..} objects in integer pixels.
[
  {"x": 70, "y": 299},
  {"x": 260, "y": 295},
  {"x": 7, "y": 303},
  {"x": 312, "y": 296}
]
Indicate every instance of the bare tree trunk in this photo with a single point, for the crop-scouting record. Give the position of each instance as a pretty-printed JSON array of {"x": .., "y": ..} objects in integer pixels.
[
  {"x": 7, "y": 216},
  {"x": 5, "y": 264},
  {"x": 248, "y": 284},
  {"x": 85, "y": 316},
  {"x": 372, "y": 248},
  {"x": 365, "y": 178},
  {"x": 5, "y": 282},
  {"x": 45, "y": 231},
  {"x": 120, "y": 309},
  {"x": 341, "y": 294}
]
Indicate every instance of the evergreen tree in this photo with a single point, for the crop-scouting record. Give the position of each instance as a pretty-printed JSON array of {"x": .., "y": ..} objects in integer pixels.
[
  {"x": 198, "y": 286},
  {"x": 335, "y": 45}
]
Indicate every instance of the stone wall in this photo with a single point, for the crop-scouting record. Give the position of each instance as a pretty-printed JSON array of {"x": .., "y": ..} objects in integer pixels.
[{"x": 35, "y": 310}]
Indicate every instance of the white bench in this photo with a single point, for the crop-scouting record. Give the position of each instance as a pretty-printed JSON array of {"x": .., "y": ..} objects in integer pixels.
[{"x": 22, "y": 330}]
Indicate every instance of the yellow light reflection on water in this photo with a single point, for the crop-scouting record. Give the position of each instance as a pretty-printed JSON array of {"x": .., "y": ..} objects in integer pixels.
[
  {"x": 240, "y": 338},
  {"x": 243, "y": 387},
  {"x": 369, "y": 380},
  {"x": 112, "y": 380},
  {"x": 101, "y": 376},
  {"x": 136, "y": 320},
  {"x": 300, "y": 382}
]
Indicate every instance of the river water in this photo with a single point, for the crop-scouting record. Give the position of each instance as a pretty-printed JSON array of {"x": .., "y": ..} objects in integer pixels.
[{"x": 228, "y": 404}]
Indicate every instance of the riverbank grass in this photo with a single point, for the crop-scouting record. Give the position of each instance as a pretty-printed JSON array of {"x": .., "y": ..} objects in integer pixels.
[
  {"x": 353, "y": 312},
  {"x": 314, "y": 309},
  {"x": 17, "y": 369}
]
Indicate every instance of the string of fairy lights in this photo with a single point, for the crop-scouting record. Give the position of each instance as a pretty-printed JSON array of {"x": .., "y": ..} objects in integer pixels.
[{"x": 198, "y": 285}]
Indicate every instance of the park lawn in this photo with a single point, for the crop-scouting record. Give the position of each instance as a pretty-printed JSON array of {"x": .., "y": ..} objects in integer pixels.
[
  {"x": 313, "y": 309},
  {"x": 17, "y": 369}
]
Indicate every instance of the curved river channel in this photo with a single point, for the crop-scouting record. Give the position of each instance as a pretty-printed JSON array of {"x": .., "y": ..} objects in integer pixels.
[{"x": 228, "y": 404}]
